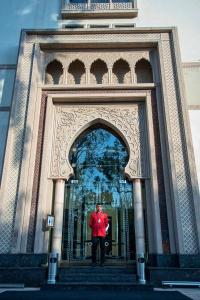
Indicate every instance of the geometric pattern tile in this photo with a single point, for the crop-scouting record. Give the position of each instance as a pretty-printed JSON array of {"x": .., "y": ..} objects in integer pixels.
[
  {"x": 184, "y": 204},
  {"x": 15, "y": 158}
]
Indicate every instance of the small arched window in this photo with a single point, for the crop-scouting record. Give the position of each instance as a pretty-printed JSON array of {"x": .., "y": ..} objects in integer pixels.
[
  {"x": 54, "y": 73},
  {"x": 143, "y": 71},
  {"x": 121, "y": 72},
  {"x": 76, "y": 72},
  {"x": 99, "y": 72}
]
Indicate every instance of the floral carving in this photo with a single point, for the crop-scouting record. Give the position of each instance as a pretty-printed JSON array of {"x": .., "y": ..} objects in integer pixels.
[{"x": 127, "y": 120}]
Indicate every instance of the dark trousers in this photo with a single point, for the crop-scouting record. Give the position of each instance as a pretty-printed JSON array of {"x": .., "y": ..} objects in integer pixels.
[{"x": 95, "y": 241}]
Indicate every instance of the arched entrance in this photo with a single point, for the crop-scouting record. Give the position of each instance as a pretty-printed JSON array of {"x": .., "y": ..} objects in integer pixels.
[{"x": 98, "y": 157}]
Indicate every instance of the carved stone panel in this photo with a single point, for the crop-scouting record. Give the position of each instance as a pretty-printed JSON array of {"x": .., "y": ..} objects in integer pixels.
[{"x": 127, "y": 121}]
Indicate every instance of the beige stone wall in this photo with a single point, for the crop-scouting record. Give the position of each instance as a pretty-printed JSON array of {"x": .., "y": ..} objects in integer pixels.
[{"x": 159, "y": 47}]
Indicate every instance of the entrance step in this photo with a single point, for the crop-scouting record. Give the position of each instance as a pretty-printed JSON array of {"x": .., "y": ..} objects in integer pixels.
[
  {"x": 100, "y": 286},
  {"x": 97, "y": 276}
]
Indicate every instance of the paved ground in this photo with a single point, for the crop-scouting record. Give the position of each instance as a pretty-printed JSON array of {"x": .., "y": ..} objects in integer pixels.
[
  {"x": 193, "y": 294},
  {"x": 157, "y": 294}
]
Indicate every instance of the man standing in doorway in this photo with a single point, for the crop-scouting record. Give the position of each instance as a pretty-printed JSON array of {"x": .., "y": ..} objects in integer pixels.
[{"x": 99, "y": 225}]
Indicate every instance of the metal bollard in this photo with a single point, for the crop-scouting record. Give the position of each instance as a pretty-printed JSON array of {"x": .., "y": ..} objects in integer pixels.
[
  {"x": 141, "y": 269},
  {"x": 52, "y": 270}
]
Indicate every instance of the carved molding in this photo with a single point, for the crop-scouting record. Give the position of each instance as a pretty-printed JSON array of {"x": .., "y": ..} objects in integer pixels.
[
  {"x": 126, "y": 120},
  {"x": 88, "y": 57}
]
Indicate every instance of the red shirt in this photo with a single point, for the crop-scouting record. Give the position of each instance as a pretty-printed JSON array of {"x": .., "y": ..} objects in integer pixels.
[{"x": 98, "y": 223}]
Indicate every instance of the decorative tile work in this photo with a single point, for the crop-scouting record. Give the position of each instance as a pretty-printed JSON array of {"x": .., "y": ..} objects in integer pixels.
[
  {"x": 36, "y": 181},
  {"x": 127, "y": 120},
  {"x": 184, "y": 203},
  {"x": 109, "y": 37},
  {"x": 16, "y": 151}
]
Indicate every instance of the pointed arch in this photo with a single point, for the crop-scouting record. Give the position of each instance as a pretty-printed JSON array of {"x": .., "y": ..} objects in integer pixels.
[
  {"x": 101, "y": 122},
  {"x": 76, "y": 72},
  {"x": 99, "y": 72},
  {"x": 54, "y": 72},
  {"x": 143, "y": 71},
  {"x": 121, "y": 72}
]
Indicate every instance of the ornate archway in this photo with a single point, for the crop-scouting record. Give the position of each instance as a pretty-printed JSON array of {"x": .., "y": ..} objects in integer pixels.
[
  {"x": 128, "y": 121},
  {"x": 98, "y": 157}
]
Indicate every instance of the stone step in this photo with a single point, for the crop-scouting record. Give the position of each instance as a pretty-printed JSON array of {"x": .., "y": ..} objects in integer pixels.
[
  {"x": 86, "y": 278},
  {"x": 99, "y": 270},
  {"x": 100, "y": 286}
]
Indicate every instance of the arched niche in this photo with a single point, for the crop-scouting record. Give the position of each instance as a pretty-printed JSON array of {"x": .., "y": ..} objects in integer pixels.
[
  {"x": 54, "y": 73},
  {"x": 143, "y": 71},
  {"x": 76, "y": 73},
  {"x": 99, "y": 72},
  {"x": 121, "y": 72}
]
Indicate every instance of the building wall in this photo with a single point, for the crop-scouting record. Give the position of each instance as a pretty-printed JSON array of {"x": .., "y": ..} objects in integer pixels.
[
  {"x": 31, "y": 15},
  {"x": 194, "y": 116},
  {"x": 22, "y": 14},
  {"x": 191, "y": 72}
]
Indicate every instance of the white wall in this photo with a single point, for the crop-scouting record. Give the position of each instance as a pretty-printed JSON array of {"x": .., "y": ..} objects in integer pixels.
[
  {"x": 183, "y": 14},
  {"x": 194, "y": 116},
  {"x": 191, "y": 73},
  {"x": 18, "y": 14}
]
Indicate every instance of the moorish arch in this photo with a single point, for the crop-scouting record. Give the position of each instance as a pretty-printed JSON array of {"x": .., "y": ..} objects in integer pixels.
[
  {"x": 54, "y": 72},
  {"x": 98, "y": 157},
  {"x": 127, "y": 122},
  {"x": 143, "y": 71}
]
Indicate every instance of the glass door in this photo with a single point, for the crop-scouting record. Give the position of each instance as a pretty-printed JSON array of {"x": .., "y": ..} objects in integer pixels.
[{"x": 98, "y": 158}]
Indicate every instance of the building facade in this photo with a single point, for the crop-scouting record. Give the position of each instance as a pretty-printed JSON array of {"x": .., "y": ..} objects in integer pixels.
[{"x": 99, "y": 113}]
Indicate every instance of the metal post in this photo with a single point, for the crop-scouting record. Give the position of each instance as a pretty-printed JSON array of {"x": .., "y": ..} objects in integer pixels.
[
  {"x": 52, "y": 268},
  {"x": 139, "y": 231},
  {"x": 55, "y": 255}
]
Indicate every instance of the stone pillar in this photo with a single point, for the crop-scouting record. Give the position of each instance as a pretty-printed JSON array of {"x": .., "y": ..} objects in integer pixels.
[
  {"x": 65, "y": 73},
  {"x": 139, "y": 230},
  {"x": 87, "y": 75},
  {"x": 132, "y": 75},
  {"x": 58, "y": 213},
  {"x": 109, "y": 75}
]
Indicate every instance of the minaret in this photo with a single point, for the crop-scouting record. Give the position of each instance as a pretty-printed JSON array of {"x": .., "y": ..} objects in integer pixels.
[{"x": 98, "y": 13}]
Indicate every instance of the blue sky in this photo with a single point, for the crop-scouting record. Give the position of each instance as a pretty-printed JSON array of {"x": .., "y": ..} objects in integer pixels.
[{"x": 185, "y": 14}]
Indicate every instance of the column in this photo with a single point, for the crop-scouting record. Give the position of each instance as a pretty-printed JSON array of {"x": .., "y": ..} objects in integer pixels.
[
  {"x": 110, "y": 75},
  {"x": 139, "y": 230},
  {"x": 87, "y": 75},
  {"x": 58, "y": 213},
  {"x": 132, "y": 75},
  {"x": 65, "y": 73}
]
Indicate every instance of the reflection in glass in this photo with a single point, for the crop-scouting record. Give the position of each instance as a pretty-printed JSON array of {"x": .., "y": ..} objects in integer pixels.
[
  {"x": 98, "y": 158},
  {"x": 6, "y": 86}
]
